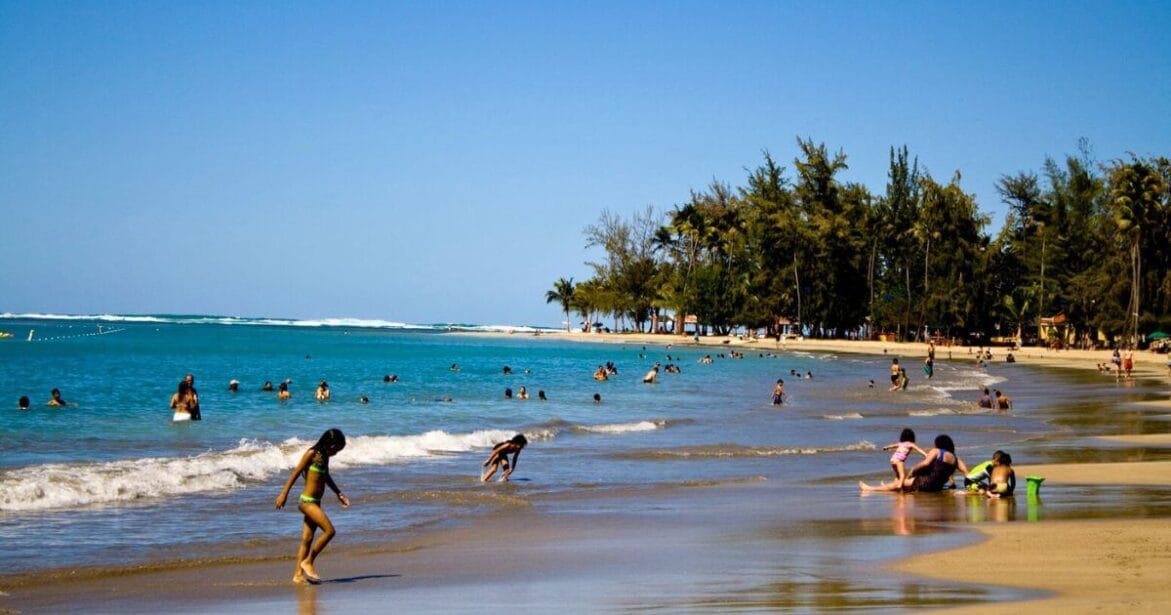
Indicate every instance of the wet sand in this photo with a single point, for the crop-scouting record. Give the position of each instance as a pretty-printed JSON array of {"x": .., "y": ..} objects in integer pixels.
[{"x": 1090, "y": 566}]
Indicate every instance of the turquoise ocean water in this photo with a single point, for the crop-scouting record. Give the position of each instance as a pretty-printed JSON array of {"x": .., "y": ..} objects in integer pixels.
[{"x": 110, "y": 479}]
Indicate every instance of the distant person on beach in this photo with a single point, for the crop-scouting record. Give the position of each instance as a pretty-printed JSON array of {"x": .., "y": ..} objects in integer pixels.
[
  {"x": 1003, "y": 403},
  {"x": 507, "y": 370},
  {"x": 454, "y": 367},
  {"x": 282, "y": 392},
  {"x": 322, "y": 393},
  {"x": 600, "y": 374},
  {"x": 193, "y": 404},
  {"x": 390, "y": 378},
  {"x": 23, "y": 402},
  {"x": 55, "y": 398},
  {"x": 1008, "y": 358},
  {"x": 985, "y": 400},
  {"x": 1116, "y": 359},
  {"x": 498, "y": 459},
  {"x": 929, "y": 367},
  {"x": 522, "y": 392},
  {"x": 902, "y": 449},
  {"x": 894, "y": 374},
  {"x": 779, "y": 392},
  {"x": 181, "y": 403},
  {"x": 597, "y": 398},
  {"x": 651, "y": 375},
  {"x": 508, "y": 393},
  {"x": 541, "y": 395},
  {"x": 234, "y": 386},
  {"x": 930, "y": 475},
  {"x": 314, "y": 467},
  {"x": 267, "y": 386},
  {"x": 1128, "y": 363},
  {"x": 363, "y": 400}
]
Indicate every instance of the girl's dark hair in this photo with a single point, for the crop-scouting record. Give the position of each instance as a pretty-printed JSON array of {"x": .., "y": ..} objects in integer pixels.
[
  {"x": 283, "y": 386},
  {"x": 943, "y": 442},
  {"x": 183, "y": 387},
  {"x": 23, "y": 401},
  {"x": 520, "y": 440},
  {"x": 332, "y": 438},
  {"x": 908, "y": 435}
]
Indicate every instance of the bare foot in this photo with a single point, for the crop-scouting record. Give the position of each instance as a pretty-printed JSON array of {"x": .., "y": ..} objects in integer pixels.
[
  {"x": 298, "y": 579},
  {"x": 309, "y": 571}
]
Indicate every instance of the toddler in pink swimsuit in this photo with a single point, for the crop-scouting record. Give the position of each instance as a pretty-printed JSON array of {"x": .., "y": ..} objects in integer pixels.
[{"x": 902, "y": 449}]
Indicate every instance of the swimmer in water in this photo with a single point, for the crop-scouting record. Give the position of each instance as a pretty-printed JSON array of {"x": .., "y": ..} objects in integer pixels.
[
  {"x": 314, "y": 467},
  {"x": 283, "y": 392}
]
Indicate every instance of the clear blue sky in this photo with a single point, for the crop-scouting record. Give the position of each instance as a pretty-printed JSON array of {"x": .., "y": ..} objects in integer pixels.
[{"x": 437, "y": 161}]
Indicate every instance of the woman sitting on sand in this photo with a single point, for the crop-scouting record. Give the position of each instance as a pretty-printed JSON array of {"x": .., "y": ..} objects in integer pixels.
[{"x": 931, "y": 474}]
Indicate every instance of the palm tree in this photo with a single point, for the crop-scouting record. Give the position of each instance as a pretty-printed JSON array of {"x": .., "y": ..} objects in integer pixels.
[
  {"x": 1135, "y": 189},
  {"x": 562, "y": 293}
]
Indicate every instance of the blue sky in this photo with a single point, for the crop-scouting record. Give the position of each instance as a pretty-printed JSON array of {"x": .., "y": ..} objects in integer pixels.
[{"x": 435, "y": 162}]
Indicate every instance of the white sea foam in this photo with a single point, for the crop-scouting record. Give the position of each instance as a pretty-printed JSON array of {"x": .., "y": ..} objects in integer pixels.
[
  {"x": 354, "y": 323},
  {"x": 623, "y": 427},
  {"x": 932, "y": 412},
  {"x": 58, "y": 486},
  {"x": 842, "y": 417}
]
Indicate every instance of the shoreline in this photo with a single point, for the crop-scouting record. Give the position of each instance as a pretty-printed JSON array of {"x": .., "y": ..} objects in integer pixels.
[
  {"x": 1147, "y": 365},
  {"x": 483, "y": 561}
]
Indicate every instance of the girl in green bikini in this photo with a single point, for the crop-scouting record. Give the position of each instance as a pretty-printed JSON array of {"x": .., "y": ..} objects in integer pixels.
[{"x": 314, "y": 466}]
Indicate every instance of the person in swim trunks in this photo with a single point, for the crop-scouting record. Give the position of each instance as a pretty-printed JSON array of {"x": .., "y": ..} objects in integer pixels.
[{"x": 314, "y": 466}]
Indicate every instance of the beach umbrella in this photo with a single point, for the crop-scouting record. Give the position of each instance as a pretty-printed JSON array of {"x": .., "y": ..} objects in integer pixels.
[{"x": 1157, "y": 335}]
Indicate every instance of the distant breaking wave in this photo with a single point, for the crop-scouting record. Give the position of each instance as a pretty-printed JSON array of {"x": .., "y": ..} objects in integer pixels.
[{"x": 353, "y": 323}]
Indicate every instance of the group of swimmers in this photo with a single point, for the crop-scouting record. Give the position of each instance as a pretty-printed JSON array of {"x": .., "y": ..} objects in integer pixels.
[
  {"x": 994, "y": 478},
  {"x": 54, "y": 400},
  {"x": 314, "y": 468}
]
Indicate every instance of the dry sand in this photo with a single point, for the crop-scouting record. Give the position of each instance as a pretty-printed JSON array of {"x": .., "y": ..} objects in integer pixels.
[{"x": 1090, "y": 566}]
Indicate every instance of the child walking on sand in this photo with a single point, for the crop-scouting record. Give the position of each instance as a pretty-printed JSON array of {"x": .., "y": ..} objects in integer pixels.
[
  {"x": 314, "y": 466},
  {"x": 902, "y": 448}
]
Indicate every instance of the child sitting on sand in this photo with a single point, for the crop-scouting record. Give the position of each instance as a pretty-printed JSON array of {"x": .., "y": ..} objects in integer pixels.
[
  {"x": 994, "y": 478},
  {"x": 902, "y": 448}
]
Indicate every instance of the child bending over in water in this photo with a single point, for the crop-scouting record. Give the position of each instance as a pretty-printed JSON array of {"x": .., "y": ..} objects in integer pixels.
[
  {"x": 902, "y": 448},
  {"x": 498, "y": 459},
  {"x": 314, "y": 466}
]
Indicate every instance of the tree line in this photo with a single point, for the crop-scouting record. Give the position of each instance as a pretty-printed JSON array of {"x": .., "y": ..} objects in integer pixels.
[{"x": 1084, "y": 242}]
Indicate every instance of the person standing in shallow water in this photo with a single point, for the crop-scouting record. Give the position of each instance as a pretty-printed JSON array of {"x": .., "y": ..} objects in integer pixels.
[
  {"x": 193, "y": 400},
  {"x": 498, "y": 459},
  {"x": 314, "y": 467}
]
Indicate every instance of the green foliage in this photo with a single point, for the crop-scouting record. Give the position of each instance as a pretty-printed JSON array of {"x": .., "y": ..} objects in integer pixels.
[{"x": 1081, "y": 239}]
